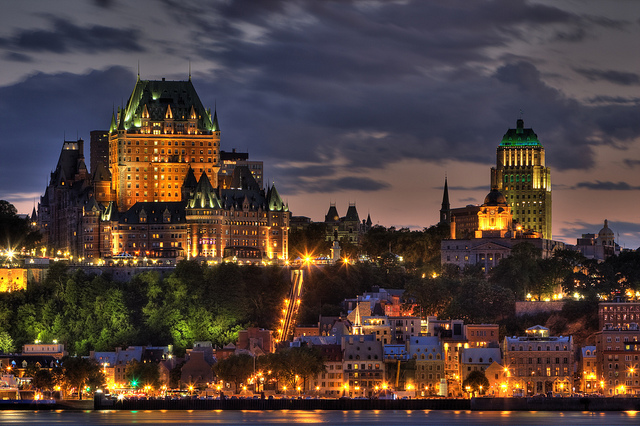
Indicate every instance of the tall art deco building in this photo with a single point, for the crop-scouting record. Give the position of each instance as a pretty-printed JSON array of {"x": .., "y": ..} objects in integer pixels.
[{"x": 522, "y": 177}]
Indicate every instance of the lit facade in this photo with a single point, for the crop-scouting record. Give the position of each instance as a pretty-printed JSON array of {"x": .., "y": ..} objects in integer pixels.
[
  {"x": 618, "y": 360},
  {"x": 540, "y": 363},
  {"x": 162, "y": 132},
  {"x": 521, "y": 175},
  {"x": 146, "y": 200}
]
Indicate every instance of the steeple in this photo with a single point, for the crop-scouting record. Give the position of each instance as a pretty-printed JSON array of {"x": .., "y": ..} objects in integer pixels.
[
  {"x": 445, "y": 209},
  {"x": 113, "y": 126},
  {"x": 216, "y": 127}
]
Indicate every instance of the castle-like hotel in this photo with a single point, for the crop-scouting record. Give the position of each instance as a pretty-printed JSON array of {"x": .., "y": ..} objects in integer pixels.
[{"x": 160, "y": 187}]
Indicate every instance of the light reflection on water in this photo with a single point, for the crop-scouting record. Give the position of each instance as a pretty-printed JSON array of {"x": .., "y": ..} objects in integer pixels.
[{"x": 347, "y": 418}]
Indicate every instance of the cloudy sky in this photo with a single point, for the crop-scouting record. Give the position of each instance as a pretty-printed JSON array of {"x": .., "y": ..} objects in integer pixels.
[{"x": 372, "y": 102}]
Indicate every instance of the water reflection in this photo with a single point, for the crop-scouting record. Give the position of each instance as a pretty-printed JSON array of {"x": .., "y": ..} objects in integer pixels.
[{"x": 287, "y": 417}]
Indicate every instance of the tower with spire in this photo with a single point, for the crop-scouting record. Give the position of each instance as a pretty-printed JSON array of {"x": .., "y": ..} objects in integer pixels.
[{"x": 445, "y": 209}]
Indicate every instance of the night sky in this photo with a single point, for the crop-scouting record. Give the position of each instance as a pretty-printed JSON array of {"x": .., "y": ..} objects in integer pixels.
[{"x": 372, "y": 102}]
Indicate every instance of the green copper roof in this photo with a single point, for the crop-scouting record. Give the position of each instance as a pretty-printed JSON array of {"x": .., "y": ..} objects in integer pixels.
[
  {"x": 274, "y": 201},
  {"x": 158, "y": 97},
  {"x": 520, "y": 137}
]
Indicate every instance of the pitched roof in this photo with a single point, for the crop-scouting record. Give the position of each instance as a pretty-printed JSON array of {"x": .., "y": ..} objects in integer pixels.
[
  {"x": 160, "y": 97},
  {"x": 274, "y": 201},
  {"x": 243, "y": 179},
  {"x": 204, "y": 196},
  {"x": 352, "y": 213},
  {"x": 154, "y": 212},
  {"x": 102, "y": 173}
]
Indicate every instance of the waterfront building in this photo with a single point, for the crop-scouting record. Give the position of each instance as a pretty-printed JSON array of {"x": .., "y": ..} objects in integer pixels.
[
  {"x": 618, "y": 313},
  {"x": 588, "y": 371},
  {"x": 477, "y": 359},
  {"x": 363, "y": 366},
  {"x": 330, "y": 382},
  {"x": 618, "y": 359},
  {"x": 429, "y": 356},
  {"x": 540, "y": 363}
]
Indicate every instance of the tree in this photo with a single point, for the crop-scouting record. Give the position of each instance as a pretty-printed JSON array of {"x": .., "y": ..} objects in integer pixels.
[
  {"x": 43, "y": 380},
  {"x": 140, "y": 374},
  {"x": 15, "y": 231},
  {"x": 235, "y": 368},
  {"x": 6, "y": 342},
  {"x": 476, "y": 381},
  {"x": 520, "y": 272},
  {"x": 79, "y": 372}
]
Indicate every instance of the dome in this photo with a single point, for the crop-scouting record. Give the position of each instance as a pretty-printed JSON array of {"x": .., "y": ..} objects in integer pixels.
[
  {"x": 495, "y": 198},
  {"x": 606, "y": 235}
]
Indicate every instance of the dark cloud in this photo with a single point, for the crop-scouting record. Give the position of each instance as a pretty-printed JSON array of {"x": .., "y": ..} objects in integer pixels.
[
  {"x": 607, "y": 186},
  {"x": 631, "y": 163},
  {"x": 614, "y": 100},
  {"x": 17, "y": 57},
  {"x": 65, "y": 37},
  {"x": 612, "y": 76},
  {"x": 39, "y": 111},
  {"x": 104, "y": 4},
  {"x": 327, "y": 185},
  {"x": 469, "y": 188}
]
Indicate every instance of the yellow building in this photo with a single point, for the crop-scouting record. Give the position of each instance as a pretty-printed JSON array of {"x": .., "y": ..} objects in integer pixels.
[
  {"x": 162, "y": 132},
  {"x": 13, "y": 279}
]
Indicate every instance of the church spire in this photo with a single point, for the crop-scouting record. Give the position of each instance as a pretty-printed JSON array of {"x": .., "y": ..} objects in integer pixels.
[{"x": 445, "y": 210}]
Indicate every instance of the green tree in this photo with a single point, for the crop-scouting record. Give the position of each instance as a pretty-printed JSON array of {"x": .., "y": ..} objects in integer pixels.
[
  {"x": 477, "y": 382},
  {"x": 6, "y": 342},
  {"x": 520, "y": 272},
  {"x": 235, "y": 368}
]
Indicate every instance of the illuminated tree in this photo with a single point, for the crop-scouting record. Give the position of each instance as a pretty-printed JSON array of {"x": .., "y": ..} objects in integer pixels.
[
  {"x": 142, "y": 374},
  {"x": 79, "y": 372},
  {"x": 235, "y": 368},
  {"x": 476, "y": 380}
]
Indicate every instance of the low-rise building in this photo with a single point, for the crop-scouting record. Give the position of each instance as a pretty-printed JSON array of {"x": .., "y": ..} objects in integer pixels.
[
  {"x": 362, "y": 365},
  {"x": 589, "y": 382},
  {"x": 540, "y": 363},
  {"x": 618, "y": 360},
  {"x": 428, "y": 354},
  {"x": 477, "y": 359},
  {"x": 482, "y": 335}
]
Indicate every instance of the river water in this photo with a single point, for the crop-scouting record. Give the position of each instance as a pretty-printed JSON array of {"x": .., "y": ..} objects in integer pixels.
[{"x": 286, "y": 417}]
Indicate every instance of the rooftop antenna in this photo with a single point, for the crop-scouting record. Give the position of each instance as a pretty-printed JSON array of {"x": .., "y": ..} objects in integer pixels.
[
  {"x": 138, "y": 69},
  {"x": 521, "y": 114},
  {"x": 189, "y": 69}
]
